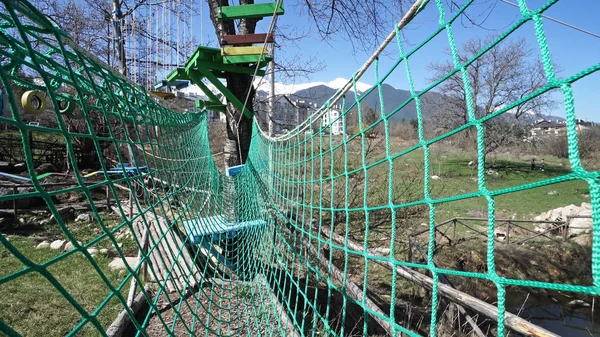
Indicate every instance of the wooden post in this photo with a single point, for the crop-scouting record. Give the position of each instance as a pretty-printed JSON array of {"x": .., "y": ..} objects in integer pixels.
[
  {"x": 107, "y": 198},
  {"x": 454, "y": 229},
  {"x": 566, "y": 228},
  {"x": 15, "y": 210},
  {"x": 130, "y": 204},
  {"x": 507, "y": 232},
  {"x": 141, "y": 253}
]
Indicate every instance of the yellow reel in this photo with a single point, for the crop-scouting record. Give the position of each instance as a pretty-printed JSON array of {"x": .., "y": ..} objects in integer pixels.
[{"x": 33, "y": 101}]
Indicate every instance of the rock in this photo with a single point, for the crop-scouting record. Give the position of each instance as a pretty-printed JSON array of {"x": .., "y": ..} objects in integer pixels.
[
  {"x": 104, "y": 251},
  {"x": 93, "y": 251},
  {"x": 83, "y": 218},
  {"x": 43, "y": 244},
  {"x": 65, "y": 213},
  {"x": 552, "y": 193},
  {"x": 500, "y": 235},
  {"x": 578, "y": 304},
  {"x": 119, "y": 264},
  {"x": 68, "y": 246},
  {"x": 491, "y": 172},
  {"x": 435, "y": 177},
  {"x": 584, "y": 240},
  {"x": 20, "y": 167},
  {"x": 424, "y": 224},
  {"x": 45, "y": 168},
  {"x": 6, "y": 167},
  {"x": 58, "y": 244},
  {"x": 471, "y": 163},
  {"x": 580, "y": 225}
]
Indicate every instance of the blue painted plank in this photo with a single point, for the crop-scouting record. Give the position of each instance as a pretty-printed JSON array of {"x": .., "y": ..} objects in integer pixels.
[
  {"x": 12, "y": 176},
  {"x": 234, "y": 170},
  {"x": 217, "y": 228}
]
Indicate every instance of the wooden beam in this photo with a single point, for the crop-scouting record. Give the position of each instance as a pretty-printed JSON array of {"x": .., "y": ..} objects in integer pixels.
[
  {"x": 208, "y": 105},
  {"x": 246, "y": 39},
  {"x": 511, "y": 321},
  {"x": 247, "y": 50},
  {"x": 234, "y": 59},
  {"x": 351, "y": 289},
  {"x": 228, "y": 94},
  {"x": 196, "y": 78},
  {"x": 230, "y": 68},
  {"x": 119, "y": 325},
  {"x": 249, "y": 11}
]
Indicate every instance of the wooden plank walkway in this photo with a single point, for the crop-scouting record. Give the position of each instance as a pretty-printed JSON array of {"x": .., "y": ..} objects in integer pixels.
[{"x": 169, "y": 256}]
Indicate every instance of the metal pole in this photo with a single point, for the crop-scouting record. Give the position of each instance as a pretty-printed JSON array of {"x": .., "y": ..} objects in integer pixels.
[{"x": 272, "y": 94}]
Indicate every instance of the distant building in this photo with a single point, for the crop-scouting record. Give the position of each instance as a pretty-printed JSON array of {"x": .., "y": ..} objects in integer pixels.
[
  {"x": 556, "y": 128},
  {"x": 545, "y": 128},
  {"x": 331, "y": 118},
  {"x": 287, "y": 115}
]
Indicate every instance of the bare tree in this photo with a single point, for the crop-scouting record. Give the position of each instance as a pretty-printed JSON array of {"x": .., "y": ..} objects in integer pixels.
[{"x": 503, "y": 75}]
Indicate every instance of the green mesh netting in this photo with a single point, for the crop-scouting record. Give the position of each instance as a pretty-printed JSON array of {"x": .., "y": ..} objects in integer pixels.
[{"x": 245, "y": 255}]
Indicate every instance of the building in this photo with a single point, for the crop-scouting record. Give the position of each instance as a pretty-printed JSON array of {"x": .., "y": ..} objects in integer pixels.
[
  {"x": 545, "y": 128},
  {"x": 332, "y": 119},
  {"x": 288, "y": 114},
  {"x": 557, "y": 128}
]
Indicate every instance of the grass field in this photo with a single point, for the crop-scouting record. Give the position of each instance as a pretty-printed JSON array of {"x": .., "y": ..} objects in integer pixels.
[{"x": 34, "y": 307}]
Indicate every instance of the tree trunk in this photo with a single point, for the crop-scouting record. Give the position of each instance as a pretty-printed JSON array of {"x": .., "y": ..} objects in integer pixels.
[{"x": 239, "y": 128}]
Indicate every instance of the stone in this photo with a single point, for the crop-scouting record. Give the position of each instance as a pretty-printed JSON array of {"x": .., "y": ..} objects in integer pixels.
[
  {"x": 471, "y": 163},
  {"x": 584, "y": 240},
  {"x": 65, "y": 213},
  {"x": 552, "y": 193},
  {"x": 20, "y": 167},
  {"x": 500, "y": 235},
  {"x": 93, "y": 251},
  {"x": 45, "y": 168},
  {"x": 578, "y": 304},
  {"x": 119, "y": 264},
  {"x": 103, "y": 251},
  {"x": 83, "y": 218},
  {"x": 6, "y": 167},
  {"x": 68, "y": 246},
  {"x": 435, "y": 177},
  {"x": 580, "y": 225},
  {"x": 58, "y": 244},
  {"x": 491, "y": 172},
  {"x": 43, "y": 244}
]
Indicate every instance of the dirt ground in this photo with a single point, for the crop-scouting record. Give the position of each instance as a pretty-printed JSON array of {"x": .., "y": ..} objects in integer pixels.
[{"x": 229, "y": 309}]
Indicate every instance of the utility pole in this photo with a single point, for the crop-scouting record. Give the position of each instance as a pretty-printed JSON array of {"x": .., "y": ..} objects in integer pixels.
[
  {"x": 119, "y": 40},
  {"x": 272, "y": 94}
]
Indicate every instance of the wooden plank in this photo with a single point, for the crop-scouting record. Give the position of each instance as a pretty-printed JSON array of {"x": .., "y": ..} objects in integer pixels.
[
  {"x": 246, "y": 39},
  {"x": 207, "y": 105},
  {"x": 246, "y": 50},
  {"x": 249, "y": 11},
  {"x": 119, "y": 325},
  {"x": 235, "y": 59},
  {"x": 231, "y": 68}
]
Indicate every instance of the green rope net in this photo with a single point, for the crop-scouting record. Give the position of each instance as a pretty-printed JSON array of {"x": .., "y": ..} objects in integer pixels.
[{"x": 285, "y": 247}]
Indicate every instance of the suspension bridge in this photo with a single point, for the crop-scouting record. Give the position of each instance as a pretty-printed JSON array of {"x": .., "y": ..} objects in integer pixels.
[{"x": 264, "y": 249}]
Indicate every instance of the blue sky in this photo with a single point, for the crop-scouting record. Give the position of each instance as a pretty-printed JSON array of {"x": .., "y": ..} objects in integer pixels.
[{"x": 572, "y": 50}]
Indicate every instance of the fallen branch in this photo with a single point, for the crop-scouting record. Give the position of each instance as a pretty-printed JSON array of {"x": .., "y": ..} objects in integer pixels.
[{"x": 511, "y": 321}]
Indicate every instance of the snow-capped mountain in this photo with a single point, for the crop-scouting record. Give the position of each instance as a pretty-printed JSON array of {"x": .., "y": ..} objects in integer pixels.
[
  {"x": 320, "y": 92},
  {"x": 288, "y": 89}
]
